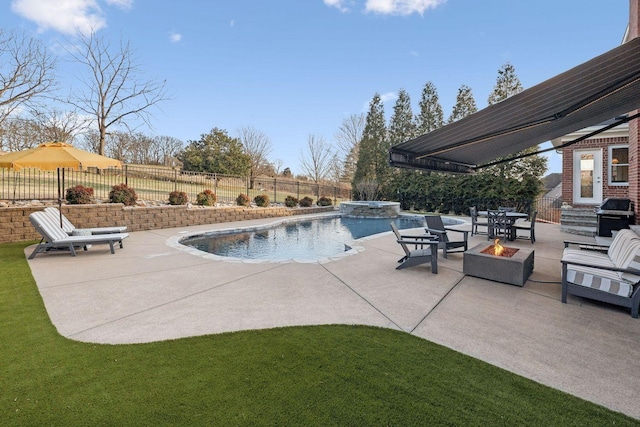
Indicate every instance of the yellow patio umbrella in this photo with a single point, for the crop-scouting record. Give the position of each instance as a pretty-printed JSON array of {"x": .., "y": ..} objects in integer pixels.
[{"x": 56, "y": 156}]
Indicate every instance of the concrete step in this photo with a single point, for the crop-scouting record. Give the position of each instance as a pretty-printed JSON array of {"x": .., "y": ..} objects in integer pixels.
[{"x": 578, "y": 230}]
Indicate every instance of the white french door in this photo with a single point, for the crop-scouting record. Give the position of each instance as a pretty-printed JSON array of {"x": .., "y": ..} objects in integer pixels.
[{"x": 587, "y": 176}]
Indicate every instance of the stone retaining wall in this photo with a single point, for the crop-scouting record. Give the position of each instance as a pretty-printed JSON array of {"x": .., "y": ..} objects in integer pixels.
[{"x": 15, "y": 225}]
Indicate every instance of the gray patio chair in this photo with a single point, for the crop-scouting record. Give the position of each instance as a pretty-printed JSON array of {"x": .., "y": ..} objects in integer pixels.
[
  {"x": 53, "y": 237},
  {"x": 527, "y": 226},
  {"x": 475, "y": 223},
  {"x": 419, "y": 255},
  {"x": 70, "y": 229},
  {"x": 498, "y": 226},
  {"x": 436, "y": 227}
]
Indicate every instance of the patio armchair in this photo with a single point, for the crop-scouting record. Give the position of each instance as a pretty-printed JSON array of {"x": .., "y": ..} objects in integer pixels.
[
  {"x": 436, "y": 227},
  {"x": 612, "y": 277},
  {"x": 419, "y": 255},
  {"x": 53, "y": 237},
  {"x": 527, "y": 226},
  {"x": 475, "y": 223},
  {"x": 71, "y": 229}
]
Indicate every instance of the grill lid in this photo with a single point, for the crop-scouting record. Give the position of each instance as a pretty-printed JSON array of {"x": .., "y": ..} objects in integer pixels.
[{"x": 614, "y": 204}]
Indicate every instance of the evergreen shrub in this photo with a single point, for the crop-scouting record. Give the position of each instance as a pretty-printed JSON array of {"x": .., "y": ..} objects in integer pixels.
[
  {"x": 291, "y": 202},
  {"x": 324, "y": 201},
  {"x": 178, "y": 198},
  {"x": 306, "y": 202},
  {"x": 79, "y": 195},
  {"x": 242, "y": 200},
  {"x": 261, "y": 200},
  {"x": 121, "y": 193},
  {"x": 206, "y": 198}
]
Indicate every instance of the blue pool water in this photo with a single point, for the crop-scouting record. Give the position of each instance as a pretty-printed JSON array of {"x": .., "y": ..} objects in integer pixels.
[{"x": 307, "y": 240}]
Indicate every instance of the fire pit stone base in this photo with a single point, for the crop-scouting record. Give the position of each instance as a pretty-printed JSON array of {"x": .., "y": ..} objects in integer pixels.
[{"x": 514, "y": 270}]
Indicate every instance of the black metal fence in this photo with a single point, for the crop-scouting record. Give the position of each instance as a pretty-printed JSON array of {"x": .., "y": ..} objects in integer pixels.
[{"x": 155, "y": 184}]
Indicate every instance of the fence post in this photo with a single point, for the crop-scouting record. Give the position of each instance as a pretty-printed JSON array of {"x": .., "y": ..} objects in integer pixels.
[
  {"x": 126, "y": 175},
  {"x": 175, "y": 180},
  {"x": 275, "y": 190},
  {"x": 298, "y": 189}
]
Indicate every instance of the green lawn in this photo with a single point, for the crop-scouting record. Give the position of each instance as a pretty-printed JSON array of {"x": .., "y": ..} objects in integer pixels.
[{"x": 327, "y": 375}]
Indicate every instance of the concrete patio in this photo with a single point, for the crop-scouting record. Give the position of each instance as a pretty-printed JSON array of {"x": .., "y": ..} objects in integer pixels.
[{"x": 150, "y": 291}]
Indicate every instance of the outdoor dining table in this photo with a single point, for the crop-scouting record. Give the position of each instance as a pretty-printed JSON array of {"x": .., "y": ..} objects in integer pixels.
[{"x": 511, "y": 219}]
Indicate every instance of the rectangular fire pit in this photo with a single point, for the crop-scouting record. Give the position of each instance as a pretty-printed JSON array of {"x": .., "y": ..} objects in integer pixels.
[{"x": 514, "y": 270}]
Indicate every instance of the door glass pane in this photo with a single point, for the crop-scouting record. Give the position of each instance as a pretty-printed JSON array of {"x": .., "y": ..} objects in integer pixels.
[{"x": 586, "y": 175}]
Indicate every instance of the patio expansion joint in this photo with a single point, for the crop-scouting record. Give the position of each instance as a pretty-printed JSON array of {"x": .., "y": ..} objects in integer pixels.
[
  {"x": 363, "y": 298},
  {"x": 437, "y": 304},
  {"x": 155, "y": 307}
]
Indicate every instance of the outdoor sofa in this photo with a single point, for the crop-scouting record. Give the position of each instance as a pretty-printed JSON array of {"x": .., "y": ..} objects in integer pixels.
[{"x": 612, "y": 277}]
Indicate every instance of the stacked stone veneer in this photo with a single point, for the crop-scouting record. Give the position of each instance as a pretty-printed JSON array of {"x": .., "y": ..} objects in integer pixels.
[
  {"x": 370, "y": 209},
  {"x": 15, "y": 225}
]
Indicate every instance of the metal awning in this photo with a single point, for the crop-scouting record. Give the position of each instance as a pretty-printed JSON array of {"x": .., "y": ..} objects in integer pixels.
[{"x": 604, "y": 87}]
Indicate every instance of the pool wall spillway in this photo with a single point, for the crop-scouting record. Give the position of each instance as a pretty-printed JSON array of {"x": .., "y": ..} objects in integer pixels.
[{"x": 373, "y": 209}]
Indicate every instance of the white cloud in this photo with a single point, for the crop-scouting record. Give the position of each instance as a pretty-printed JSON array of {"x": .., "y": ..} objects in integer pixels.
[
  {"x": 389, "y": 96},
  {"x": 175, "y": 37},
  {"x": 122, "y": 4},
  {"x": 401, "y": 7},
  {"x": 389, "y": 7},
  {"x": 338, "y": 4},
  {"x": 67, "y": 16},
  {"x": 232, "y": 23}
]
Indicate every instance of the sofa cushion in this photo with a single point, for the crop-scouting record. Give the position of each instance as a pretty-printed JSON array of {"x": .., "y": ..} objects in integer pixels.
[{"x": 605, "y": 284}]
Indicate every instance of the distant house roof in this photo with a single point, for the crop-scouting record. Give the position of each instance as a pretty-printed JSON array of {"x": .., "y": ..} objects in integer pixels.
[{"x": 603, "y": 87}]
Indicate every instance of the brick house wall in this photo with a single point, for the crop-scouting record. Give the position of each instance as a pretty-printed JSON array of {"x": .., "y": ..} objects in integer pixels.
[
  {"x": 618, "y": 191},
  {"x": 634, "y": 131}
]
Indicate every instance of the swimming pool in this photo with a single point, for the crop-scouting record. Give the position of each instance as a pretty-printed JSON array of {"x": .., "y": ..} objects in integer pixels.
[{"x": 308, "y": 240}]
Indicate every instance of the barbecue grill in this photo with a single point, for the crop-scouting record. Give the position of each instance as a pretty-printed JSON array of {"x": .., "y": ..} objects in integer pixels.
[{"x": 614, "y": 214}]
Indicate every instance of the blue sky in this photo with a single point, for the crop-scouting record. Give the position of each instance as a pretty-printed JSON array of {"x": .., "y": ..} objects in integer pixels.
[{"x": 294, "y": 68}]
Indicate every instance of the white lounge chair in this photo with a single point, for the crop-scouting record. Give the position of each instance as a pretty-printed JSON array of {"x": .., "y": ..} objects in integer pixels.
[
  {"x": 69, "y": 228},
  {"x": 53, "y": 237}
]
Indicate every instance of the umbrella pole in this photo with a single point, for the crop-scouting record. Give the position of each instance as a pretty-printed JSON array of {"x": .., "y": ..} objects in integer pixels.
[{"x": 60, "y": 195}]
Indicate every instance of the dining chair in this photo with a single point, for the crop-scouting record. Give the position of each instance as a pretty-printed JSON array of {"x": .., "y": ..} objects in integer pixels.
[
  {"x": 498, "y": 226},
  {"x": 528, "y": 226},
  {"x": 473, "y": 212}
]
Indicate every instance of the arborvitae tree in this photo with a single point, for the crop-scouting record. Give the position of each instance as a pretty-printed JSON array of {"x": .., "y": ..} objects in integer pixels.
[
  {"x": 372, "y": 154},
  {"x": 431, "y": 116},
  {"x": 402, "y": 126},
  {"x": 528, "y": 170},
  {"x": 465, "y": 104},
  {"x": 507, "y": 84}
]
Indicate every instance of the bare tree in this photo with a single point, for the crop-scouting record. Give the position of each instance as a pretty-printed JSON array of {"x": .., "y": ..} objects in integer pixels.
[
  {"x": 169, "y": 147},
  {"x": 26, "y": 72},
  {"x": 19, "y": 134},
  {"x": 58, "y": 125},
  {"x": 114, "y": 93},
  {"x": 276, "y": 164},
  {"x": 258, "y": 146},
  {"x": 316, "y": 162},
  {"x": 348, "y": 139}
]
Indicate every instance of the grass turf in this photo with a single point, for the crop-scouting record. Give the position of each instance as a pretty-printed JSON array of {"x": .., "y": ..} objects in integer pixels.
[{"x": 324, "y": 375}]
